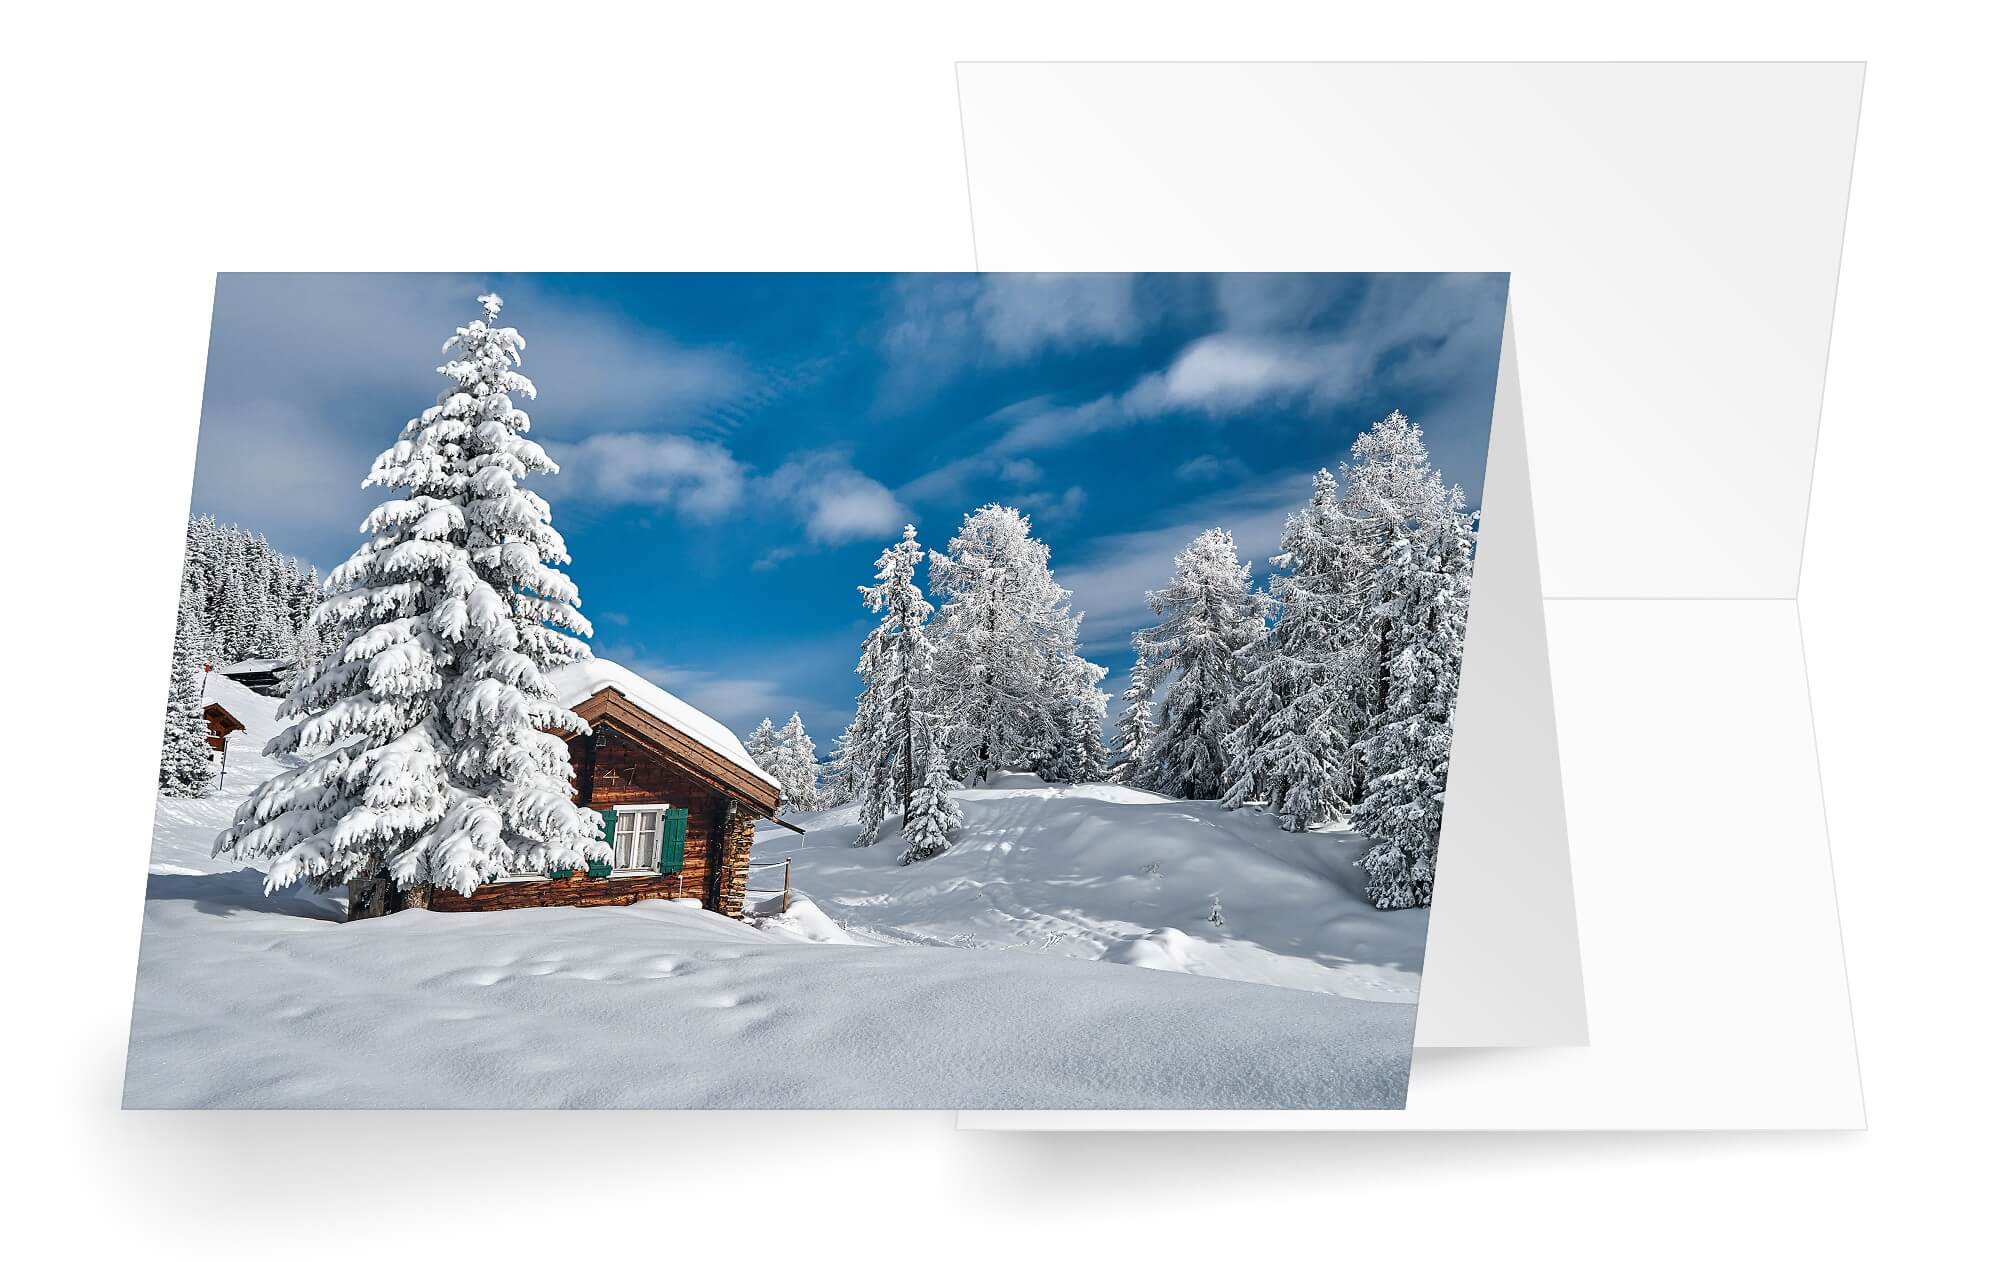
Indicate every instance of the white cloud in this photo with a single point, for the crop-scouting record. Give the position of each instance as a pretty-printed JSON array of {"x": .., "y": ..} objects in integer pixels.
[
  {"x": 836, "y": 502},
  {"x": 1228, "y": 372},
  {"x": 1021, "y": 313},
  {"x": 691, "y": 476}
]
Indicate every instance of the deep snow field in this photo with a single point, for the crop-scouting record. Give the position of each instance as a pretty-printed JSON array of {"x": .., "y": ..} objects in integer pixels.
[
  {"x": 1100, "y": 872},
  {"x": 852, "y": 999}
]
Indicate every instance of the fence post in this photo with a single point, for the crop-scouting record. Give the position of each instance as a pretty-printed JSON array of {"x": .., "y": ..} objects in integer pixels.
[{"x": 786, "y": 904}]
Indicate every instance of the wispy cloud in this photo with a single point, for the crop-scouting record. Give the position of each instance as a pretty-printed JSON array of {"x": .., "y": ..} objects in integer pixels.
[
  {"x": 1021, "y": 313},
  {"x": 940, "y": 325},
  {"x": 1051, "y": 508},
  {"x": 1207, "y": 468},
  {"x": 1407, "y": 330},
  {"x": 304, "y": 335},
  {"x": 698, "y": 478}
]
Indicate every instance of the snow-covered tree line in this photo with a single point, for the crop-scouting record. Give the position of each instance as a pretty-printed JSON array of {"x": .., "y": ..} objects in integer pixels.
[
  {"x": 186, "y": 761},
  {"x": 788, "y": 754},
  {"x": 246, "y": 598},
  {"x": 434, "y": 754},
  {"x": 1331, "y": 694},
  {"x": 239, "y": 598},
  {"x": 986, "y": 678}
]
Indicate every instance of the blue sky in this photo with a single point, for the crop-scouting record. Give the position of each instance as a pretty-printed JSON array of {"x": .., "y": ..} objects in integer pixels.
[{"x": 737, "y": 449}]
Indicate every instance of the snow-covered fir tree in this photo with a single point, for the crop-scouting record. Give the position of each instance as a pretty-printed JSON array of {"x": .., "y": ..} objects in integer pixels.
[
  {"x": 1135, "y": 722},
  {"x": 762, "y": 744},
  {"x": 186, "y": 766},
  {"x": 1210, "y": 620},
  {"x": 836, "y": 779},
  {"x": 1292, "y": 750},
  {"x": 933, "y": 814},
  {"x": 1004, "y": 630},
  {"x": 897, "y": 729},
  {"x": 1079, "y": 756},
  {"x": 1424, "y": 591},
  {"x": 1389, "y": 492},
  {"x": 1092, "y": 761},
  {"x": 436, "y": 748},
  {"x": 795, "y": 766}
]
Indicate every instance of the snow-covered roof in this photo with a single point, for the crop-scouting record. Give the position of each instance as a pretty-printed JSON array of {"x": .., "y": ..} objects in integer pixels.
[
  {"x": 255, "y": 666},
  {"x": 580, "y": 681},
  {"x": 219, "y": 689}
]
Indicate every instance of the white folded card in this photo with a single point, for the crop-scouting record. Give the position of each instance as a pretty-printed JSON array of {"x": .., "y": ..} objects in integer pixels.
[{"x": 1673, "y": 234}]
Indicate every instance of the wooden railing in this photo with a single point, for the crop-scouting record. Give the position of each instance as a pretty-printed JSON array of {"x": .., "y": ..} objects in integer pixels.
[{"x": 785, "y": 893}]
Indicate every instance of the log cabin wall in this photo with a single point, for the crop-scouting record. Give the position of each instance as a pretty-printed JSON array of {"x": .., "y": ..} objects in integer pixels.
[{"x": 626, "y": 772}]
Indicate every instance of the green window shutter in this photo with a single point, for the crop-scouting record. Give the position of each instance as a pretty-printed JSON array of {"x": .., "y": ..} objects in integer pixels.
[
  {"x": 673, "y": 840},
  {"x": 610, "y": 839}
]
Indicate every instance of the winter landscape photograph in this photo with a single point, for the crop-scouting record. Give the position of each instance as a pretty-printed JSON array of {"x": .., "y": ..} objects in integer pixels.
[{"x": 813, "y": 690}]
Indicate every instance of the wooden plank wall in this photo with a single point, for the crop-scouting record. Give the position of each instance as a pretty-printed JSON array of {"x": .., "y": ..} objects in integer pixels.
[{"x": 628, "y": 774}]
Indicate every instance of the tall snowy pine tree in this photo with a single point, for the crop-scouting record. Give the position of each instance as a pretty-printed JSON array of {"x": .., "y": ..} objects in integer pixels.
[
  {"x": 1079, "y": 756},
  {"x": 1424, "y": 590},
  {"x": 1389, "y": 491},
  {"x": 1004, "y": 631},
  {"x": 1135, "y": 722},
  {"x": 836, "y": 783},
  {"x": 1292, "y": 749},
  {"x": 897, "y": 730},
  {"x": 436, "y": 759},
  {"x": 1211, "y": 618},
  {"x": 186, "y": 766}
]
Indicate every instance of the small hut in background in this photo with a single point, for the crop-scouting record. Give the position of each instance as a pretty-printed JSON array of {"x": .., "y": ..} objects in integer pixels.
[{"x": 220, "y": 724}]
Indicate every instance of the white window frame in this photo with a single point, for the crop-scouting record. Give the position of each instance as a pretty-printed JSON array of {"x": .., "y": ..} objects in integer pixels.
[{"x": 659, "y": 812}]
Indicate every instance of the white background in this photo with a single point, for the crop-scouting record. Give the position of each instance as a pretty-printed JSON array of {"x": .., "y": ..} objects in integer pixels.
[{"x": 145, "y": 150}]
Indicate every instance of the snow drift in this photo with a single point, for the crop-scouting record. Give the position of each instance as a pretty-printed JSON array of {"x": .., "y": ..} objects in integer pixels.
[{"x": 1103, "y": 872}]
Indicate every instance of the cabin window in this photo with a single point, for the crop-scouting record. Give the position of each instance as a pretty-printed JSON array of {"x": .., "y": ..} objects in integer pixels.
[{"x": 635, "y": 843}]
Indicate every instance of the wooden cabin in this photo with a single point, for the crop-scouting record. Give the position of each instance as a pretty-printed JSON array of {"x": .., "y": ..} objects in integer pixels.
[
  {"x": 264, "y": 676},
  {"x": 220, "y": 724},
  {"x": 678, "y": 793}
]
